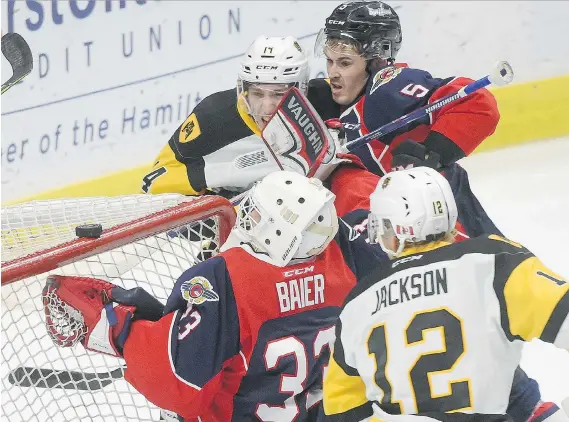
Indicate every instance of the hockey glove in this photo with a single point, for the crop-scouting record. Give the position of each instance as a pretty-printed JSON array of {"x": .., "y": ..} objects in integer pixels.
[
  {"x": 87, "y": 310},
  {"x": 336, "y": 130},
  {"x": 409, "y": 154}
]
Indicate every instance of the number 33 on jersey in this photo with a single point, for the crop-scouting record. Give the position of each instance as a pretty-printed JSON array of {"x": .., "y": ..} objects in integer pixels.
[{"x": 242, "y": 339}]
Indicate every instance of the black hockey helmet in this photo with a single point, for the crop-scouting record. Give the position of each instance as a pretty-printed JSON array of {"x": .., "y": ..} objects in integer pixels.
[{"x": 372, "y": 26}]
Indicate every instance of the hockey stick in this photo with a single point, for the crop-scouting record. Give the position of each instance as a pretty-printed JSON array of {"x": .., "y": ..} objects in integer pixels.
[
  {"x": 501, "y": 75},
  {"x": 18, "y": 53},
  {"x": 69, "y": 380},
  {"x": 26, "y": 376},
  {"x": 236, "y": 200}
]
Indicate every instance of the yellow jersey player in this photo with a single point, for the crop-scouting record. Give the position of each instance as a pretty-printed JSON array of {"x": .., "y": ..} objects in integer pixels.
[
  {"x": 218, "y": 147},
  {"x": 441, "y": 329}
]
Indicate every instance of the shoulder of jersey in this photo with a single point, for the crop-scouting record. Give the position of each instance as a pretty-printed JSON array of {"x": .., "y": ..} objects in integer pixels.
[
  {"x": 319, "y": 94},
  {"x": 485, "y": 245},
  {"x": 239, "y": 262},
  {"x": 214, "y": 120},
  {"x": 318, "y": 84},
  {"x": 395, "y": 75},
  {"x": 489, "y": 244},
  {"x": 217, "y": 102}
]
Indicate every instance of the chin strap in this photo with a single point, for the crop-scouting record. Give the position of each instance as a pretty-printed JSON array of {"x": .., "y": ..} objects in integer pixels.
[{"x": 321, "y": 230}]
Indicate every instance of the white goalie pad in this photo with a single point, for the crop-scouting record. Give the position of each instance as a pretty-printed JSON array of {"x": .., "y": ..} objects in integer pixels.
[{"x": 297, "y": 136}]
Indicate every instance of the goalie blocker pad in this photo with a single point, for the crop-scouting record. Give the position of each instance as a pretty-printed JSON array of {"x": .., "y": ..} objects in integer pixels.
[{"x": 297, "y": 137}]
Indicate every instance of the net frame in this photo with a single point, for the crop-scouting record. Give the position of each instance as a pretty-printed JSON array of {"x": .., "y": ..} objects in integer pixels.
[
  {"x": 119, "y": 235},
  {"x": 113, "y": 398}
]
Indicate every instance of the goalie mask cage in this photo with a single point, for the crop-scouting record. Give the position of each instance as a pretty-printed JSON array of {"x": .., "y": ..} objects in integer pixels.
[{"x": 147, "y": 241}]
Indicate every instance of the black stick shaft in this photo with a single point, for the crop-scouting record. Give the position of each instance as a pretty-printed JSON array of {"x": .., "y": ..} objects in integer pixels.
[{"x": 26, "y": 376}]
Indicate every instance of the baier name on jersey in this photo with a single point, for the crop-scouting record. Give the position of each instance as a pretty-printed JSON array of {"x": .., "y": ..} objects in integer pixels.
[{"x": 302, "y": 291}]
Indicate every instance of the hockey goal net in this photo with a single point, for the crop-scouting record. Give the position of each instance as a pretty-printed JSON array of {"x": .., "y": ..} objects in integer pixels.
[{"x": 147, "y": 241}]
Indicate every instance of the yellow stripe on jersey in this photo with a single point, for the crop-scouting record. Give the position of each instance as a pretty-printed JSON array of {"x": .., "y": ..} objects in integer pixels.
[
  {"x": 246, "y": 117},
  {"x": 426, "y": 247},
  {"x": 342, "y": 392},
  {"x": 173, "y": 180},
  {"x": 503, "y": 239},
  {"x": 532, "y": 294}
]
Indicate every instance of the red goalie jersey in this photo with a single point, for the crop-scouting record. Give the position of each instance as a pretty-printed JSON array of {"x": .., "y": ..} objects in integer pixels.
[{"x": 242, "y": 339}]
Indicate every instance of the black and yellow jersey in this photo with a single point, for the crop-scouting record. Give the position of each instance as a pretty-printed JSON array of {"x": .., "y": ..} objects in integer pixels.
[
  {"x": 441, "y": 330},
  {"x": 219, "y": 146}
]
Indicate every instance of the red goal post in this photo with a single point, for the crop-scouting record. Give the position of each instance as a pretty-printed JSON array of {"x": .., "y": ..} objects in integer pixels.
[{"x": 147, "y": 241}]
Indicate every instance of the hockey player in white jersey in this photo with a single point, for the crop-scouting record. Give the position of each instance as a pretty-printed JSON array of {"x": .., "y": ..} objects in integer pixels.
[{"x": 442, "y": 328}]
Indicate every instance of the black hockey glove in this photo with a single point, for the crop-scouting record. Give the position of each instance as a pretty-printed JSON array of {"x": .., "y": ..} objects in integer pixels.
[{"x": 409, "y": 154}]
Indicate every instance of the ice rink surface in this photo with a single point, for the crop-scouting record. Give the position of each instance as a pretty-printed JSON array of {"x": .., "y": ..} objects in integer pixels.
[{"x": 525, "y": 191}]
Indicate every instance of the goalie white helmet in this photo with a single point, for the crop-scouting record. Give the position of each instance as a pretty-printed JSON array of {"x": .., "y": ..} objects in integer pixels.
[
  {"x": 413, "y": 205},
  {"x": 287, "y": 216},
  {"x": 269, "y": 68}
]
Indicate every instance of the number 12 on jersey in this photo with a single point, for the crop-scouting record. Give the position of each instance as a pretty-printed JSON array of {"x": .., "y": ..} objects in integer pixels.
[{"x": 426, "y": 364}]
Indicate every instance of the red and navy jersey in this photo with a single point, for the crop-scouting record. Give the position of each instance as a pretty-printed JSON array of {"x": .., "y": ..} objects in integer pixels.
[
  {"x": 353, "y": 186},
  {"x": 453, "y": 131},
  {"x": 242, "y": 339}
]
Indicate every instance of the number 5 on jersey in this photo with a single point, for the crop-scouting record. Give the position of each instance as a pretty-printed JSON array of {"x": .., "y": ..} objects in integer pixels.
[{"x": 414, "y": 90}]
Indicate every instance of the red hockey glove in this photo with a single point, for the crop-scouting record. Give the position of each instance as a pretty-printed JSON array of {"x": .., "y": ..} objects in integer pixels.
[
  {"x": 409, "y": 154},
  {"x": 334, "y": 123},
  {"x": 352, "y": 159},
  {"x": 336, "y": 130},
  {"x": 81, "y": 309}
]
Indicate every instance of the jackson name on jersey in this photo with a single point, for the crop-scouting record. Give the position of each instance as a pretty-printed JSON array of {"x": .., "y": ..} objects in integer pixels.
[{"x": 442, "y": 330}]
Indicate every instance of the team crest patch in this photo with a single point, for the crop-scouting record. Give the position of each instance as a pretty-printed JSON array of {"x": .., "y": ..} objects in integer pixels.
[
  {"x": 385, "y": 182},
  {"x": 384, "y": 76},
  {"x": 198, "y": 290},
  {"x": 190, "y": 129}
]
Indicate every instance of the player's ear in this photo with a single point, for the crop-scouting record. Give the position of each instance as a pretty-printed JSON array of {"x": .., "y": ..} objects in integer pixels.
[{"x": 376, "y": 64}]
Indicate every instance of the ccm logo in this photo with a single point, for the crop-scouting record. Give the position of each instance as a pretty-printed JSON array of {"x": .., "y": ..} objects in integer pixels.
[
  {"x": 352, "y": 126},
  {"x": 333, "y": 22},
  {"x": 267, "y": 67},
  {"x": 404, "y": 260},
  {"x": 298, "y": 271}
]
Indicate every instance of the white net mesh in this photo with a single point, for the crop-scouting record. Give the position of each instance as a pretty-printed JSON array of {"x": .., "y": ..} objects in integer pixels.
[
  {"x": 42, "y": 382},
  {"x": 38, "y": 225}
]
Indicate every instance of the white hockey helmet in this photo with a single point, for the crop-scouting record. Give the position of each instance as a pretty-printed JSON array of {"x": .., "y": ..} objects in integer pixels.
[
  {"x": 272, "y": 60},
  {"x": 414, "y": 205},
  {"x": 287, "y": 216}
]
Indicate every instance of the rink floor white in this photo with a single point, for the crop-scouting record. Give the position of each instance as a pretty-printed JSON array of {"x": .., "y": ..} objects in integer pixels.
[{"x": 525, "y": 190}]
